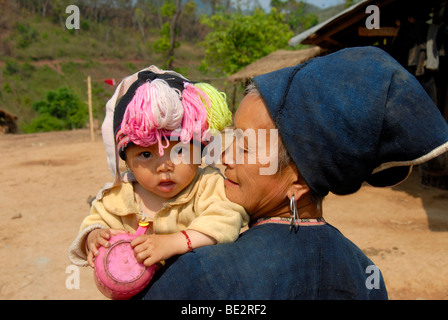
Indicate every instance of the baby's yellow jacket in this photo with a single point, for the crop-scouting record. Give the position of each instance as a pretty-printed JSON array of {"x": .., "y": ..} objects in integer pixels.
[{"x": 202, "y": 206}]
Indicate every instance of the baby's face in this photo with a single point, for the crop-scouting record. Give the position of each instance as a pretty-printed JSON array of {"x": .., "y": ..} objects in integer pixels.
[{"x": 163, "y": 175}]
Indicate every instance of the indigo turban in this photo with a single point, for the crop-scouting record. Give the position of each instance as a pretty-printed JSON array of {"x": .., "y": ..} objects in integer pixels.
[{"x": 353, "y": 116}]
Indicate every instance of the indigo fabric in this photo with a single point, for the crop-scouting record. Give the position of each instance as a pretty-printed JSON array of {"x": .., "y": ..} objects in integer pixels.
[
  {"x": 353, "y": 116},
  {"x": 270, "y": 262}
]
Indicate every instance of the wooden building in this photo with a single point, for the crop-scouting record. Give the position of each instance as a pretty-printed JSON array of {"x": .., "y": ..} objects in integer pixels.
[{"x": 414, "y": 32}]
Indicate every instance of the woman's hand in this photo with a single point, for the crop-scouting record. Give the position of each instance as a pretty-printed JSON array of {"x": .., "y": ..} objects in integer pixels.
[{"x": 96, "y": 239}]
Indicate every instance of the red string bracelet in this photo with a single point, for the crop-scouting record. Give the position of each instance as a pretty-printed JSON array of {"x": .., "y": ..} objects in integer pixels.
[{"x": 190, "y": 247}]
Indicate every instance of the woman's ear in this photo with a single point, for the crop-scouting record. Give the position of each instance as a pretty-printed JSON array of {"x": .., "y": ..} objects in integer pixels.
[{"x": 297, "y": 189}]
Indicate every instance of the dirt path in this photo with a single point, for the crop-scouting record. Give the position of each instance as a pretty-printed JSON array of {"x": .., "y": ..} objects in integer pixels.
[{"x": 47, "y": 179}]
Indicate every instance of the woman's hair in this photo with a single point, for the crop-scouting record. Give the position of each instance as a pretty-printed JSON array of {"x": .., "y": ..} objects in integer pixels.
[{"x": 284, "y": 159}]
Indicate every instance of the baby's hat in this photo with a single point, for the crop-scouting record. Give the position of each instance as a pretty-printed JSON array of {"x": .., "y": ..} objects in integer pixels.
[
  {"x": 153, "y": 105},
  {"x": 352, "y": 116}
]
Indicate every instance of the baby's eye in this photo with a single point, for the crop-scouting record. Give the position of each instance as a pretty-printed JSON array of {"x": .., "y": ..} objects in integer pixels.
[
  {"x": 146, "y": 154},
  {"x": 179, "y": 150}
]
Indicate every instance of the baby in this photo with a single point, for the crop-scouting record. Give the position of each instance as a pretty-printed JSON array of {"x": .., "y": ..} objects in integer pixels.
[{"x": 159, "y": 125}]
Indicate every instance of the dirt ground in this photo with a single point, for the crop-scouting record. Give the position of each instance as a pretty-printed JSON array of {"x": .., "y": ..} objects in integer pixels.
[{"x": 46, "y": 180}]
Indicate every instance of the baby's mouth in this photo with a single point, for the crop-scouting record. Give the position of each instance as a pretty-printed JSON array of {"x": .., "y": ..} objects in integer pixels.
[{"x": 166, "y": 185}]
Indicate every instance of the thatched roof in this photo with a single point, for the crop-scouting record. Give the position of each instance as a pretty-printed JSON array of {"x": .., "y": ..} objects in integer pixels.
[{"x": 274, "y": 61}]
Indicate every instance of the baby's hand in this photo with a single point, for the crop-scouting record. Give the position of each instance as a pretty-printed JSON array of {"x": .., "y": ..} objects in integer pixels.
[
  {"x": 152, "y": 248},
  {"x": 98, "y": 238}
]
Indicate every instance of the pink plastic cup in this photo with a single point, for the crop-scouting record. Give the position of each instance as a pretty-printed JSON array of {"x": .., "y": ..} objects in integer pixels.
[{"x": 118, "y": 274}]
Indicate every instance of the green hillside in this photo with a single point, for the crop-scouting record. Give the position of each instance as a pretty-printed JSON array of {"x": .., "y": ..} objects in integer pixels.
[{"x": 38, "y": 54}]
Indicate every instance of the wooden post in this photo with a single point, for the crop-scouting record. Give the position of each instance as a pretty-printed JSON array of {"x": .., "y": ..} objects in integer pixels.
[{"x": 89, "y": 95}]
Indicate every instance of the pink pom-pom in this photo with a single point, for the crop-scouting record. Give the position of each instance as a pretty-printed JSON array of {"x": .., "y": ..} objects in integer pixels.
[
  {"x": 154, "y": 111},
  {"x": 195, "y": 102}
]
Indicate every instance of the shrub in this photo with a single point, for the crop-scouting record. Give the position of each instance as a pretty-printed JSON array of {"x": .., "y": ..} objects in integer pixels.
[
  {"x": 11, "y": 67},
  {"x": 27, "y": 35},
  {"x": 44, "y": 123},
  {"x": 61, "y": 110}
]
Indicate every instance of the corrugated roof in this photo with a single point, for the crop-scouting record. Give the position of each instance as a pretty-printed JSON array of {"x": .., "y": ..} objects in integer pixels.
[{"x": 310, "y": 32}]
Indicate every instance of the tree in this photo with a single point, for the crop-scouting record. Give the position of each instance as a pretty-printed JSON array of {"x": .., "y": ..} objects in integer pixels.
[
  {"x": 140, "y": 18},
  {"x": 349, "y": 3},
  {"x": 213, "y": 5},
  {"x": 236, "y": 40},
  {"x": 173, "y": 31},
  {"x": 167, "y": 41},
  {"x": 297, "y": 14},
  {"x": 61, "y": 110}
]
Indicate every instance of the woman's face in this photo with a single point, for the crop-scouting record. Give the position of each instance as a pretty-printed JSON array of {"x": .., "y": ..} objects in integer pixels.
[{"x": 261, "y": 195}]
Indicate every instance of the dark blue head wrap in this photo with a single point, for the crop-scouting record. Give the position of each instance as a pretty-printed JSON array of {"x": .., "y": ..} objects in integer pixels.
[{"x": 353, "y": 116}]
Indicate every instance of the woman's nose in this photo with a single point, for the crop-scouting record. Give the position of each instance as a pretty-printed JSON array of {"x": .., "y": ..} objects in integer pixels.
[{"x": 227, "y": 156}]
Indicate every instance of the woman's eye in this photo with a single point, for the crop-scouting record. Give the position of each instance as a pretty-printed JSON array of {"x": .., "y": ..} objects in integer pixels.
[{"x": 242, "y": 149}]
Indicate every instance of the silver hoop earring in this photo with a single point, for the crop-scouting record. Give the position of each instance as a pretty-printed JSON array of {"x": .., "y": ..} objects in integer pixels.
[{"x": 294, "y": 222}]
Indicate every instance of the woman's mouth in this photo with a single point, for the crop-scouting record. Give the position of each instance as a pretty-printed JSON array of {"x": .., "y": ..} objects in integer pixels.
[{"x": 230, "y": 183}]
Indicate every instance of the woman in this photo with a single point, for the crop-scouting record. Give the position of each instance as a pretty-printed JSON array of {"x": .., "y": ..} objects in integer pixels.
[{"x": 352, "y": 116}]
